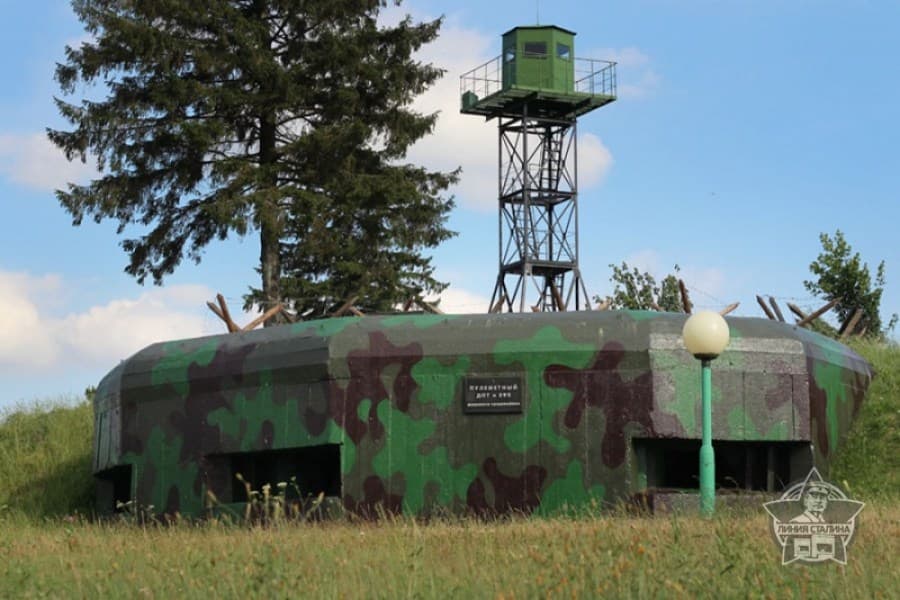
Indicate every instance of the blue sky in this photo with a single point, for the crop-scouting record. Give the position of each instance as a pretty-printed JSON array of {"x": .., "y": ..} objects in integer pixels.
[{"x": 743, "y": 129}]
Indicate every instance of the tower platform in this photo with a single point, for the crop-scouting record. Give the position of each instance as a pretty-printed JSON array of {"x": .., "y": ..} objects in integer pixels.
[{"x": 482, "y": 91}]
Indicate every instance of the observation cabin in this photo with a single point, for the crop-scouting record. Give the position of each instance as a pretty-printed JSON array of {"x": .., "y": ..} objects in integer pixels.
[{"x": 538, "y": 65}]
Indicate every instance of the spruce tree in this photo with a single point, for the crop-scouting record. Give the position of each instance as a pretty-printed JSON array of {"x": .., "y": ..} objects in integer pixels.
[{"x": 285, "y": 119}]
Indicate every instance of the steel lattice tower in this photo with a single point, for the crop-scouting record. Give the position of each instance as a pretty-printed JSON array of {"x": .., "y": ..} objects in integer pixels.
[{"x": 536, "y": 90}]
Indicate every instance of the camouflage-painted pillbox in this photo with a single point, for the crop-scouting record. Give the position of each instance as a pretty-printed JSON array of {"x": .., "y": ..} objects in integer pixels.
[{"x": 471, "y": 413}]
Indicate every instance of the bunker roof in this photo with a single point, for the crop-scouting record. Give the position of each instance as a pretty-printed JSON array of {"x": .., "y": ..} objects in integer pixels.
[{"x": 315, "y": 351}]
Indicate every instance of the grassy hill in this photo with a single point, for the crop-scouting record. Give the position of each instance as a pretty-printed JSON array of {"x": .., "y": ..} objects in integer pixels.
[
  {"x": 45, "y": 448},
  {"x": 45, "y": 458},
  {"x": 868, "y": 463}
]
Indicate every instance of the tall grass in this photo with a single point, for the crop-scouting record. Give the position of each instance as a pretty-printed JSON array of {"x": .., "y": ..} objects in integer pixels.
[
  {"x": 614, "y": 556},
  {"x": 45, "y": 458}
]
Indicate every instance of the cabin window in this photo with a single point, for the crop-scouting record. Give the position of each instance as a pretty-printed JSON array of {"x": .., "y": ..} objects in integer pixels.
[
  {"x": 562, "y": 51},
  {"x": 509, "y": 55},
  {"x": 535, "y": 49}
]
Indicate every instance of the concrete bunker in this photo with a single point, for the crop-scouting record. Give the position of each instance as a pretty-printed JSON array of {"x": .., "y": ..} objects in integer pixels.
[{"x": 474, "y": 414}]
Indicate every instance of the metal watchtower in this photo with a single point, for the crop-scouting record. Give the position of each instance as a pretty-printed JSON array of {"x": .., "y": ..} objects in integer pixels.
[{"x": 536, "y": 90}]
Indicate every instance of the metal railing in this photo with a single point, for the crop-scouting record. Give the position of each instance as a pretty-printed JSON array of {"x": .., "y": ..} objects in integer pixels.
[
  {"x": 483, "y": 80},
  {"x": 591, "y": 76},
  {"x": 595, "y": 77}
]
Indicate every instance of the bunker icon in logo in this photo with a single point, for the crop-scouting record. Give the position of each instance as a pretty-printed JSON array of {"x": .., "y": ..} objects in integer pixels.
[{"x": 813, "y": 521}]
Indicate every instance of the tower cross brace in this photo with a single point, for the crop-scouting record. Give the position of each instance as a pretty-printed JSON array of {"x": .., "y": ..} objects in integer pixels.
[{"x": 538, "y": 215}]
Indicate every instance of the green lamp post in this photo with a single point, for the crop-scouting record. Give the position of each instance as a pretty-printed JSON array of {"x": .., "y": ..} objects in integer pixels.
[{"x": 705, "y": 335}]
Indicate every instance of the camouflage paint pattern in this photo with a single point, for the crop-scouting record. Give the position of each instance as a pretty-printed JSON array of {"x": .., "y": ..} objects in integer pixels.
[{"x": 389, "y": 391}]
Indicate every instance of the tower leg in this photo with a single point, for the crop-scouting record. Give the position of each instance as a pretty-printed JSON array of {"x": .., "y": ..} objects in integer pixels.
[{"x": 538, "y": 215}]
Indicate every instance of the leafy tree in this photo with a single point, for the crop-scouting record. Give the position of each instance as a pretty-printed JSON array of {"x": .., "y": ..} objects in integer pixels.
[
  {"x": 841, "y": 274},
  {"x": 669, "y": 296},
  {"x": 639, "y": 291},
  {"x": 287, "y": 119}
]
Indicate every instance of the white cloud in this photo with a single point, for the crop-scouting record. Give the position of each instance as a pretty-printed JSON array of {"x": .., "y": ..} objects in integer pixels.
[
  {"x": 645, "y": 260},
  {"x": 641, "y": 87},
  {"x": 24, "y": 340},
  {"x": 706, "y": 286},
  {"x": 32, "y": 340},
  {"x": 626, "y": 57},
  {"x": 635, "y": 74},
  {"x": 459, "y": 140},
  {"x": 594, "y": 161},
  {"x": 459, "y": 301},
  {"x": 121, "y": 327},
  {"x": 34, "y": 161}
]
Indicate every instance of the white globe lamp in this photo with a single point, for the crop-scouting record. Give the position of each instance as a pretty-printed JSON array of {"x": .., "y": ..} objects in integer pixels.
[{"x": 705, "y": 336}]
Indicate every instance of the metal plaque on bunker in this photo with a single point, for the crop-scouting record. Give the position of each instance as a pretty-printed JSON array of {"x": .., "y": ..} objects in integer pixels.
[{"x": 492, "y": 395}]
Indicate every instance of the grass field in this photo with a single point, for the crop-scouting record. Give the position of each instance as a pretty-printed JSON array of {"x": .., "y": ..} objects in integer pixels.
[
  {"x": 46, "y": 551},
  {"x": 614, "y": 556}
]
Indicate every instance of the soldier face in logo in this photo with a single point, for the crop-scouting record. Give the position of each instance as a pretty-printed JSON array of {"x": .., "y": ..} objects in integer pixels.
[
  {"x": 815, "y": 498},
  {"x": 799, "y": 540}
]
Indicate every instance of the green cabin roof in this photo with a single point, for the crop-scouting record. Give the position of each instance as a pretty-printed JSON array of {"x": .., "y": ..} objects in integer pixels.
[{"x": 556, "y": 27}]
